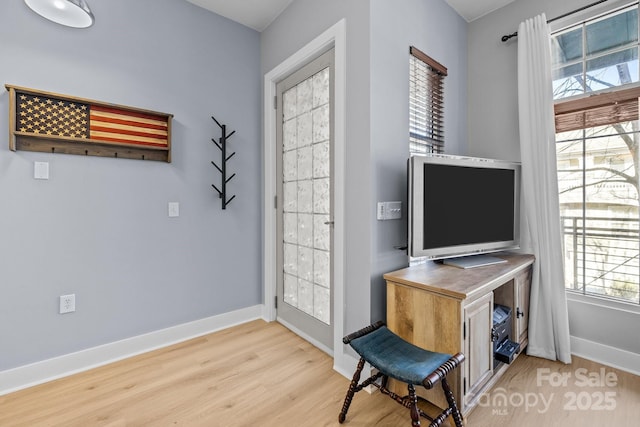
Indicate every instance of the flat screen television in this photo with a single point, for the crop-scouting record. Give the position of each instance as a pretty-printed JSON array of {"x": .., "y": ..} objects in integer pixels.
[{"x": 463, "y": 207}]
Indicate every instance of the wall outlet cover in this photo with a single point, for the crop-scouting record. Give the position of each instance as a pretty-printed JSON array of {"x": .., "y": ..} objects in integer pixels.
[
  {"x": 174, "y": 209},
  {"x": 67, "y": 303},
  {"x": 41, "y": 170},
  {"x": 389, "y": 210}
]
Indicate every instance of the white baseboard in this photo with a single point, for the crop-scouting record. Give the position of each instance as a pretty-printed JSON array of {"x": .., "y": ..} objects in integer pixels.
[
  {"x": 47, "y": 370},
  {"x": 610, "y": 356},
  {"x": 347, "y": 366}
]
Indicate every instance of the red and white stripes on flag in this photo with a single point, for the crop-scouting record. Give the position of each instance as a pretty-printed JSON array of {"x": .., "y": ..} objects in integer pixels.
[{"x": 121, "y": 126}]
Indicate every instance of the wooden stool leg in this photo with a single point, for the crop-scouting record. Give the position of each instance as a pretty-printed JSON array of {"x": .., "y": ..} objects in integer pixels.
[
  {"x": 351, "y": 391},
  {"x": 413, "y": 407},
  {"x": 457, "y": 416}
]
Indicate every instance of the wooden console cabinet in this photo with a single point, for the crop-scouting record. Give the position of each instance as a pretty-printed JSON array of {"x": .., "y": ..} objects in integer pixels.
[{"x": 448, "y": 309}]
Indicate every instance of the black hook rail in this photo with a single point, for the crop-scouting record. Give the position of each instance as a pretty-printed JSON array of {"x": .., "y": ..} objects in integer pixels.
[{"x": 222, "y": 145}]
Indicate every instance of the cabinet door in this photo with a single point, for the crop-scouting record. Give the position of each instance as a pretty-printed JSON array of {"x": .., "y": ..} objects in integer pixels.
[
  {"x": 523, "y": 288},
  {"x": 478, "y": 321}
]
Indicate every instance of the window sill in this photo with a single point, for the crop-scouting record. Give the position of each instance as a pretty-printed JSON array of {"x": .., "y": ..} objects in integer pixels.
[{"x": 603, "y": 302}]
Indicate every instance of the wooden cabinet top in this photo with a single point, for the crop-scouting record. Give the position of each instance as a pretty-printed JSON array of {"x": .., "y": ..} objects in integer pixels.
[{"x": 461, "y": 283}]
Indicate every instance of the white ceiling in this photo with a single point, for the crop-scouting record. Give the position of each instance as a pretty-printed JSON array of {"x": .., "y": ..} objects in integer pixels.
[
  {"x": 474, "y": 9},
  {"x": 258, "y": 14}
]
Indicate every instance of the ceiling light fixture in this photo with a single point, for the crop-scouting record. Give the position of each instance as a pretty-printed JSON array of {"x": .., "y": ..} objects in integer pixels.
[{"x": 72, "y": 13}]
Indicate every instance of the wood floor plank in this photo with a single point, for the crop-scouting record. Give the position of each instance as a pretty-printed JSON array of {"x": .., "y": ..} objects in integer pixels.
[{"x": 261, "y": 373}]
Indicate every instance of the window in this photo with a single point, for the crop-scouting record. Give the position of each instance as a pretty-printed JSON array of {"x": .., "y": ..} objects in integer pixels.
[
  {"x": 598, "y": 54},
  {"x": 426, "y": 104},
  {"x": 595, "y": 83}
]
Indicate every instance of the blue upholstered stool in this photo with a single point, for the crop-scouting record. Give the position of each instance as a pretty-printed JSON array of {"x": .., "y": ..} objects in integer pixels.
[{"x": 395, "y": 358}]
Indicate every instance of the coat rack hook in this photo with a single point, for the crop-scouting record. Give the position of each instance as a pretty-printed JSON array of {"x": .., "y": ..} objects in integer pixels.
[{"x": 214, "y": 119}]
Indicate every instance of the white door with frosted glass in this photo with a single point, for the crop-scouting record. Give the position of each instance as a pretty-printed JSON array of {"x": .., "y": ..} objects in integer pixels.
[{"x": 304, "y": 106}]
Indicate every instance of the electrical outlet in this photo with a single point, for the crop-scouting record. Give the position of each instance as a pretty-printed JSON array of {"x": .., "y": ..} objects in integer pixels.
[{"x": 67, "y": 303}]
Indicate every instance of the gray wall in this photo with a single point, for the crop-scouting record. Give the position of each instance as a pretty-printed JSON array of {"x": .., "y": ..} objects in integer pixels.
[
  {"x": 492, "y": 76},
  {"x": 99, "y": 227},
  {"x": 437, "y": 30},
  {"x": 493, "y": 132},
  {"x": 300, "y": 23}
]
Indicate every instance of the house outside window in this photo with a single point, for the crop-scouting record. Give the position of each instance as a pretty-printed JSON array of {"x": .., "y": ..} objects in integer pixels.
[
  {"x": 595, "y": 81},
  {"x": 426, "y": 103}
]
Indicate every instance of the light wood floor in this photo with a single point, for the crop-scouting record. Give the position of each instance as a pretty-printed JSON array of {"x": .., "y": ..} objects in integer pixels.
[{"x": 262, "y": 374}]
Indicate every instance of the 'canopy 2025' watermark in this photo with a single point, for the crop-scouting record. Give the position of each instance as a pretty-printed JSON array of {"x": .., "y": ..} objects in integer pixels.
[{"x": 596, "y": 392}]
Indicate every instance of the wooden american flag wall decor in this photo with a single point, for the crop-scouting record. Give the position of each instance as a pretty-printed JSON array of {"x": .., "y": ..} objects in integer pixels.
[{"x": 50, "y": 122}]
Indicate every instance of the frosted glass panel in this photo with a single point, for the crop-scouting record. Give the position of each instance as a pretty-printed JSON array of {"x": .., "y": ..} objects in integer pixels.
[
  {"x": 321, "y": 304},
  {"x": 290, "y": 101},
  {"x": 305, "y": 230},
  {"x": 321, "y": 127},
  {"x": 305, "y": 263},
  {"x": 322, "y": 270},
  {"x": 305, "y": 196},
  {"x": 321, "y": 164},
  {"x": 321, "y": 236},
  {"x": 305, "y": 96},
  {"x": 305, "y": 296},
  {"x": 305, "y": 129},
  {"x": 291, "y": 228},
  {"x": 306, "y": 169},
  {"x": 291, "y": 259},
  {"x": 321, "y": 199},
  {"x": 290, "y": 194},
  {"x": 321, "y": 88},
  {"x": 305, "y": 163},
  {"x": 290, "y": 133},
  {"x": 290, "y": 162},
  {"x": 291, "y": 289}
]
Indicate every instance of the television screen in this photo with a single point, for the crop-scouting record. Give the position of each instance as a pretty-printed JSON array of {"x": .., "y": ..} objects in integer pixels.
[
  {"x": 462, "y": 206},
  {"x": 467, "y": 205}
]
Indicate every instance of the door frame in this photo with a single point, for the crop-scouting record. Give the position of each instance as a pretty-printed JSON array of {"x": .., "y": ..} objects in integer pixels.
[{"x": 333, "y": 37}]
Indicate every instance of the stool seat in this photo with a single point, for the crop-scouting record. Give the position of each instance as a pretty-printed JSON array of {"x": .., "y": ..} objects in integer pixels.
[{"x": 396, "y": 357}]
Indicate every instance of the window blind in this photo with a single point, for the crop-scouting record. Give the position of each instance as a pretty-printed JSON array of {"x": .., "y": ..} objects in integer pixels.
[
  {"x": 426, "y": 103},
  {"x": 597, "y": 110}
]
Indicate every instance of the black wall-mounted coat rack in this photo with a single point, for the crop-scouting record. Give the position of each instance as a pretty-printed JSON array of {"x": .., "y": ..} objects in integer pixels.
[{"x": 222, "y": 145}]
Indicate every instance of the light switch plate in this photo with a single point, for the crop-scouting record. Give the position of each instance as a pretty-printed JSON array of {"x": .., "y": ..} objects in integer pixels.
[
  {"x": 174, "y": 209},
  {"x": 394, "y": 210},
  {"x": 389, "y": 210},
  {"x": 41, "y": 170}
]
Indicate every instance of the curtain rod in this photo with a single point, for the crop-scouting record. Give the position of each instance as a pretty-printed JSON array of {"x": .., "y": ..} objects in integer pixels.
[{"x": 515, "y": 34}]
